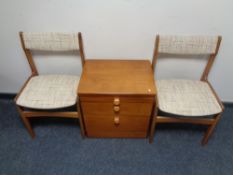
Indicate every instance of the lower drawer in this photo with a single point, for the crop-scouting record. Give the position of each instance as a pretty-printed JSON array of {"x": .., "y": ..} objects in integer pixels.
[{"x": 105, "y": 126}]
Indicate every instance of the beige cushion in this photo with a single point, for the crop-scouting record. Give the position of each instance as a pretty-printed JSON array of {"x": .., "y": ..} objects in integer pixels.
[
  {"x": 51, "y": 41},
  {"x": 175, "y": 44},
  {"x": 49, "y": 92},
  {"x": 187, "y": 98}
]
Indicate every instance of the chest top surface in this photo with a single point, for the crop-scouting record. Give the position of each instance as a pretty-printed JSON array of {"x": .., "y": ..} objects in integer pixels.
[{"x": 121, "y": 77}]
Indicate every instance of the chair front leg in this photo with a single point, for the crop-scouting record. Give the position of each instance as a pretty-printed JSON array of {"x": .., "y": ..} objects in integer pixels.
[
  {"x": 26, "y": 122},
  {"x": 80, "y": 119},
  {"x": 210, "y": 130},
  {"x": 154, "y": 120}
]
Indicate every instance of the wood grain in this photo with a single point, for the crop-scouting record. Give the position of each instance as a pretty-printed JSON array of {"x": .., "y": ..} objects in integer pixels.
[{"x": 131, "y": 77}]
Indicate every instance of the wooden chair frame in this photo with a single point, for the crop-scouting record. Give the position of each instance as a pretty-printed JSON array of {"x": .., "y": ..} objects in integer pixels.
[
  {"x": 26, "y": 114},
  {"x": 210, "y": 122}
]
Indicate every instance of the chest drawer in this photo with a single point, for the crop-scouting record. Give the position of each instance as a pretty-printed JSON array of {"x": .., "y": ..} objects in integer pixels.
[
  {"x": 106, "y": 108},
  {"x": 116, "y": 116}
]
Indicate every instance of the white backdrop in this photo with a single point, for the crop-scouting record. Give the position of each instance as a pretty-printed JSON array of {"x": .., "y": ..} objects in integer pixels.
[{"x": 116, "y": 29}]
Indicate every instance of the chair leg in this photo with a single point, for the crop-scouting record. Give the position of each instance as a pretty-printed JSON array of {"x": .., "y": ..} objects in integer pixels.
[
  {"x": 210, "y": 130},
  {"x": 152, "y": 130},
  {"x": 26, "y": 122},
  {"x": 81, "y": 120}
]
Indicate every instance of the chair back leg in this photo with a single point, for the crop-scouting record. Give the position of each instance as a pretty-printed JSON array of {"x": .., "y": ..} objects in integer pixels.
[{"x": 152, "y": 131}]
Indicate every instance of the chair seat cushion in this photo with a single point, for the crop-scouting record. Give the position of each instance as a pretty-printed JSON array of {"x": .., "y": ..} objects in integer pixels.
[
  {"x": 186, "y": 98},
  {"x": 49, "y": 92}
]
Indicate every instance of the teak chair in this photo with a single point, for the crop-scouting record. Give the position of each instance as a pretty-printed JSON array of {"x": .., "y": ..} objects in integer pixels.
[
  {"x": 187, "y": 101},
  {"x": 49, "y": 95}
]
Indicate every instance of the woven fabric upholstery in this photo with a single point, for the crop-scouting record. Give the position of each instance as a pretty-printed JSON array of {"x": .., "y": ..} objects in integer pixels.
[
  {"x": 187, "y": 44},
  {"x": 51, "y": 41},
  {"x": 49, "y": 92},
  {"x": 186, "y": 98}
]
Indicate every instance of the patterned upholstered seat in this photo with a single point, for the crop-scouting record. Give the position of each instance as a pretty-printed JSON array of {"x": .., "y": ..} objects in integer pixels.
[
  {"x": 49, "y": 92},
  {"x": 187, "y": 98}
]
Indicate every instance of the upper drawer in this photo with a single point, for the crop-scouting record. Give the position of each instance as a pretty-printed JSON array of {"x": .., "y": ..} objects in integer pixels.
[
  {"x": 117, "y": 105},
  {"x": 113, "y": 98},
  {"x": 103, "y": 108}
]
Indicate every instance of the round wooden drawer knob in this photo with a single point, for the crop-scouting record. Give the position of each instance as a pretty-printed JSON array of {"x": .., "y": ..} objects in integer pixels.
[
  {"x": 116, "y": 108},
  {"x": 117, "y": 120},
  {"x": 116, "y": 101}
]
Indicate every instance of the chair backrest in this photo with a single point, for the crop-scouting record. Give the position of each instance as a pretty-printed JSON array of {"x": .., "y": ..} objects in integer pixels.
[
  {"x": 188, "y": 45},
  {"x": 50, "y": 41}
]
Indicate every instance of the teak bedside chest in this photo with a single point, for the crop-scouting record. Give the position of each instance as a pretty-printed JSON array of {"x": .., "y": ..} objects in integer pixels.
[{"x": 117, "y": 97}]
